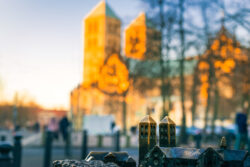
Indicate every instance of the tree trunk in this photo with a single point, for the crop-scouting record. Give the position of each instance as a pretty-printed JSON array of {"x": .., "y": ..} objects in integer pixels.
[
  {"x": 248, "y": 102},
  {"x": 163, "y": 87},
  {"x": 194, "y": 94},
  {"x": 216, "y": 107},
  {"x": 208, "y": 100},
  {"x": 124, "y": 114},
  {"x": 183, "y": 135}
]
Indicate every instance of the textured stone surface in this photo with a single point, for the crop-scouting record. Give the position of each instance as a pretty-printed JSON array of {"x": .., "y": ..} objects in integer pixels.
[{"x": 75, "y": 163}]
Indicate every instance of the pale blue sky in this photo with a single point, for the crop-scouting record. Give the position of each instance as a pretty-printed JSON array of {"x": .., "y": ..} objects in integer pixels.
[{"x": 41, "y": 46}]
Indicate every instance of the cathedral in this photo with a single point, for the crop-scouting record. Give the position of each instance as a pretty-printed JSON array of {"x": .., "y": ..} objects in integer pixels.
[
  {"x": 125, "y": 82},
  {"x": 102, "y": 45}
]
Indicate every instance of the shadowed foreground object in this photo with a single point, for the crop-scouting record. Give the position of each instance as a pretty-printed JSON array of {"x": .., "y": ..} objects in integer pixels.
[
  {"x": 151, "y": 154},
  {"x": 75, "y": 163},
  {"x": 120, "y": 158},
  {"x": 147, "y": 136}
]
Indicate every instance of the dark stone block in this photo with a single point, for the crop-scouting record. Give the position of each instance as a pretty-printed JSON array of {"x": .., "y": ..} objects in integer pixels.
[
  {"x": 75, "y": 163},
  {"x": 120, "y": 158},
  {"x": 233, "y": 158}
]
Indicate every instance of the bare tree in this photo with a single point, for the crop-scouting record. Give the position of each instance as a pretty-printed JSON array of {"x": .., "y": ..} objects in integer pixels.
[{"x": 163, "y": 18}]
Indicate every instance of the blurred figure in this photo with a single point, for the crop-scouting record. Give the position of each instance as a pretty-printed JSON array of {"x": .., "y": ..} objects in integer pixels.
[
  {"x": 53, "y": 127},
  {"x": 65, "y": 131},
  {"x": 112, "y": 127},
  {"x": 64, "y": 125},
  {"x": 36, "y": 127},
  {"x": 3, "y": 138},
  {"x": 241, "y": 123},
  {"x": 230, "y": 137},
  {"x": 197, "y": 139},
  {"x": 133, "y": 130}
]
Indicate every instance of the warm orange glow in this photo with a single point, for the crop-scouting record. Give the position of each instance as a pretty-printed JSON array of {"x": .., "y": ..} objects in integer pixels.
[
  {"x": 237, "y": 51},
  {"x": 223, "y": 38},
  {"x": 114, "y": 76},
  {"x": 223, "y": 51},
  {"x": 99, "y": 30},
  {"x": 135, "y": 38},
  {"x": 204, "y": 78},
  {"x": 217, "y": 64},
  {"x": 204, "y": 88},
  {"x": 141, "y": 41},
  {"x": 215, "y": 45},
  {"x": 224, "y": 54},
  {"x": 203, "y": 65},
  {"x": 230, "y": 63}
]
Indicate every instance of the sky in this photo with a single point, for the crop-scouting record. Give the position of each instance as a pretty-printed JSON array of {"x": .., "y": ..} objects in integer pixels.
[{"x": 41, "y": 46}]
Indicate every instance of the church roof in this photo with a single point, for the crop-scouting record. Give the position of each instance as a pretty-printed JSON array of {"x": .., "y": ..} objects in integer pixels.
[
  {"x": 232, "y": 155},
  {"x": 147, "y": 119},
  {"x": 152, "y": 68},
  {"x": 141, "y": 19},
  {"x": 120, "y": 156},
  {"x": 167, "y": 120},
  {"x": 110, "y": 12},
  {"x": 116, "y": 157},
  {"x": 183, "y": 153},
  {"x": 102, "y": 8},
  {"x": 96, "y": 156}
]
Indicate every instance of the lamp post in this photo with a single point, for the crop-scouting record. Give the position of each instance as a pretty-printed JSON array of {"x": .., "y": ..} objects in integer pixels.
[{"x": 15, "y": 113}]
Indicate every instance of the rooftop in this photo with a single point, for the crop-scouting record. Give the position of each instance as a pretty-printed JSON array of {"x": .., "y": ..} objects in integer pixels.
[
  {"x": 102, "y": 8},
  {"x": 147, "y": 119}
]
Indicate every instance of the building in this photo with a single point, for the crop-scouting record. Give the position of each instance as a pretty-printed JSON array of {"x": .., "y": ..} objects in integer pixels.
[
  {"x": 169, "y": 156},
  {"x": 86, "y": 98},
  {"x": 122, "y": 159},
  {"x": 102, "y": 37},
  {"x": 153, "y": 155},
  {"x": 182, "y": 157},
  {"x": 102, "y": 46},
  {"x": 142, "y": 39}
]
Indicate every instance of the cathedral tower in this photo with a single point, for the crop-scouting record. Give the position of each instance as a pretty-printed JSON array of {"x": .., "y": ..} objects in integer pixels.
[
  {"x": 167, "y": 133},
  {"x": 102, "y": 36},
  {"x": 147, "y": 136},
  {"x": 142, "y": 39}
]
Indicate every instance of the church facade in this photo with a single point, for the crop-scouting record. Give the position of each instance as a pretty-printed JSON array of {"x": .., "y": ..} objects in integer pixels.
[{"x": 102, "y": 46}]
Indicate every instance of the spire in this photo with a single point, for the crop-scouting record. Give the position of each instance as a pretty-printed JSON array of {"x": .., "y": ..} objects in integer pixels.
[
  {"x": 223, "y": 143},
  {"x": 167, "y": 132},
  {"x": 147, "y": 136},
  {"x": 167, "y": 120},
  {"x": 147, "y": 119},
  {"x": 102, "y": 8},
  {"x": 222, "y": 17}
]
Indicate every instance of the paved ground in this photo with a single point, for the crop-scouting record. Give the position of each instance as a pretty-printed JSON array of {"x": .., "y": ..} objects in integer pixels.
[{"x": 33, "y": 157}]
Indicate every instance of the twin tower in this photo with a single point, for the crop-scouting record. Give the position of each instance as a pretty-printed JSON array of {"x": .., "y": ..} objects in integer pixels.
[{"x": 148, "y": 135}]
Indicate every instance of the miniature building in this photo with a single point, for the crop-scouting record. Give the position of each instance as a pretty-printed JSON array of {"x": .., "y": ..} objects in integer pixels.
[
  {"x": 122, "y": 159},
  {"x": 167, "y": 133},
  {"x": 182, "y": 157},
  {"x": 232, "y": 158},
  {"x": 223, "y": 143},
  {"x": 247, "y": 161},
  {"x": 147, "y": 136}
]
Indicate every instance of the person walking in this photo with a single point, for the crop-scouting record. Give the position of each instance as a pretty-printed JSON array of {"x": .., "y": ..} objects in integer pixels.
[
  {"x": 53, "y": 127},
  {"x": 64, "y": 125},
  {"x": 241, "y": 123}
]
